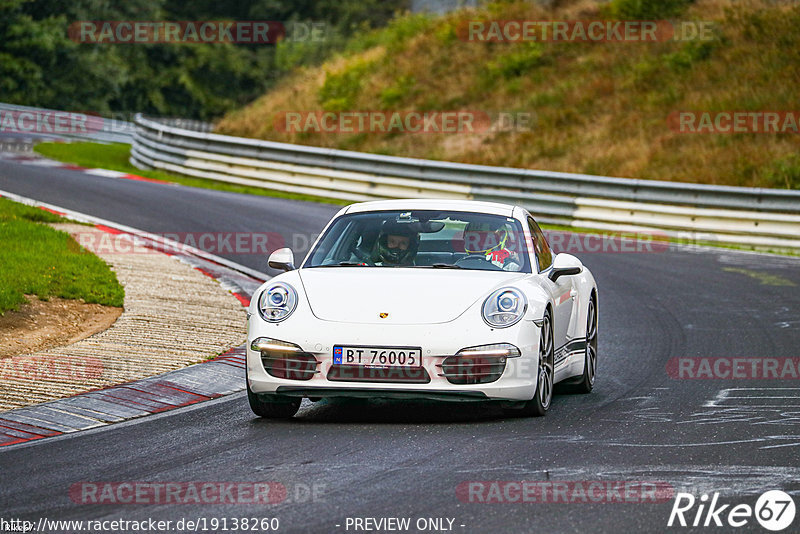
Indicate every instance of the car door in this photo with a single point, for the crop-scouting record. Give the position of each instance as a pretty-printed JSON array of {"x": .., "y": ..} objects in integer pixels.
[{"x": 561, "y": 289}]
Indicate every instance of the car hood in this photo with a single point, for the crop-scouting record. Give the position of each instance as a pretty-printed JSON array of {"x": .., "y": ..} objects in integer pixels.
[{"x": 407, "y": 295}]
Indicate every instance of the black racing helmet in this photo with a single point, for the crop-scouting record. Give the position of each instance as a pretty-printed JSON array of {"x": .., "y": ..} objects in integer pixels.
[{"x": 396, "y": 256}]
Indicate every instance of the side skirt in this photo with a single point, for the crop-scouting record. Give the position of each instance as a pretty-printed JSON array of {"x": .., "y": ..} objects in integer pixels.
[{"x": 566, "y": 356}]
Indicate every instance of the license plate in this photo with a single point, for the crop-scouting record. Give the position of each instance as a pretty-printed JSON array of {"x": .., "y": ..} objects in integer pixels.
[{"x": 377, "y": 356}]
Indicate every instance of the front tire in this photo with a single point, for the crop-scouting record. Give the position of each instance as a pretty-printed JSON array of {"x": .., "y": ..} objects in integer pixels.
[
  {"x": 590, "y": 363},
  {"x": 273, "y": 406},
  {"x": 540, "y": 403}
]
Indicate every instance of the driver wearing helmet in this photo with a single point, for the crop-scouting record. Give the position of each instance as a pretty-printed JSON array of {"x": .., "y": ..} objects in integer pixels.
[
  {"x": 397, "y": 245},
  {"x": 491, "y": 240}
]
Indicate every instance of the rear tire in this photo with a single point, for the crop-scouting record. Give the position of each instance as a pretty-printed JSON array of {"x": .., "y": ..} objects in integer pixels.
[
  {"x": 273, "y": 406},
  {"x": 540, "y": 403}
]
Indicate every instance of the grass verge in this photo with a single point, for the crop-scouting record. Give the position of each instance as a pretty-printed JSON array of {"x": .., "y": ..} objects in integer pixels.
[
  {"x": 38, "y": 260},
  {"x": 115, "y": 157}
]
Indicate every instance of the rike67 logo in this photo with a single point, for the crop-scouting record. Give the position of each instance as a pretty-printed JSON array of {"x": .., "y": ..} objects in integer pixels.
[{"x": 774, "y": 510}]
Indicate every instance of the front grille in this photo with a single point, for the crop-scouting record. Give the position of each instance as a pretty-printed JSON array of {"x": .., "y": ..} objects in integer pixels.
[
  {"x": 359, "y": 373},
  {"x": 479, "y": 370},
  {"x": 299, "y": 366}
]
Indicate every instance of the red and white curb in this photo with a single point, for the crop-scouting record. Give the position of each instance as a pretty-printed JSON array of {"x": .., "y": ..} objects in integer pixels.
[
  {"x": 215, "y": 378},
  {"x": 197, "y": 383}
]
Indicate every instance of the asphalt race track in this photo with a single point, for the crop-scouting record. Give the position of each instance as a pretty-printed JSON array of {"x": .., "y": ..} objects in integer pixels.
[{"x": 380, "y": 459}]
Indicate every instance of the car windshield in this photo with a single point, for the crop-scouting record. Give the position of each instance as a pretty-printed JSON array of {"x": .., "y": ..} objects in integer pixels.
[{"x": 423, "y": 239}]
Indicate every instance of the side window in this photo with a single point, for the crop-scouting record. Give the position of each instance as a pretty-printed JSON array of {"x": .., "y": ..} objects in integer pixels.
[{"x": 540, "y": 246}]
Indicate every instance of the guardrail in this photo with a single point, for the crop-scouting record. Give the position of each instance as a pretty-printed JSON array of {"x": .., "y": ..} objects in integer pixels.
[
  {"x": 737, "y": 215},
  {"x": 42, "y": 122}
]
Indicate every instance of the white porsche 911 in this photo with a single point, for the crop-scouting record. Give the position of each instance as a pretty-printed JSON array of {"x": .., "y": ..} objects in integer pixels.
[{"x": 424, "y": 299}]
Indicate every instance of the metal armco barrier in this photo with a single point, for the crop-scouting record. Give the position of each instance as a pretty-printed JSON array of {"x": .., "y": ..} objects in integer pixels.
[
  {"x": 735, "y": 215},
  {"x": 91, "y": 126}
]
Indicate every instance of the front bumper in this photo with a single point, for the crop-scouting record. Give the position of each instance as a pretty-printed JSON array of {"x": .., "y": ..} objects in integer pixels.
[{"x": 437, "y": 341}]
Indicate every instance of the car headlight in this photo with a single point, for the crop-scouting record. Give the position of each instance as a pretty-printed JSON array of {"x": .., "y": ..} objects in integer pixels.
[
  {"x": 277, "y": 302},
  {"x": 505, "y": 307}
]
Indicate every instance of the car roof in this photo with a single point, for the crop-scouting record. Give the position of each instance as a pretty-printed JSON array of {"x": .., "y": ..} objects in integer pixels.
[{"x": 475, "y": 206}]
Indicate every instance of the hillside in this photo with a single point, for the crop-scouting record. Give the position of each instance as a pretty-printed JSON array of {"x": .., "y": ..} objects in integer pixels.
[{"x": 598, "y": 107}]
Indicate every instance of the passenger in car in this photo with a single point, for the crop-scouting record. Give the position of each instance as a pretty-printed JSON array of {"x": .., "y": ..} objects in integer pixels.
[{"x": 491, "y": 241}]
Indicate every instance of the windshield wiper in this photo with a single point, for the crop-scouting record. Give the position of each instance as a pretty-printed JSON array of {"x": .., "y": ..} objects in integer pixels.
[
  {"x": 446, "y": 266},
  {"x": 352, "y": 264}
]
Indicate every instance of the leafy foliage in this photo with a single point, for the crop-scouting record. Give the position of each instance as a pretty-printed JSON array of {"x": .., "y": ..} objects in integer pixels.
[
  {"x": 518, "y": 62},
  {"x": 785, "y": 173},
  {"x": 647, "y": 9},
  {"x": 339, "y": 91},
  {"x": 41, "y": 66}
]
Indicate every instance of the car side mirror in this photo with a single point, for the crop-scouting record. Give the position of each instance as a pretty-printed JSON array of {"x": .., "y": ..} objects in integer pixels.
[
  {"x": 565, "y": 265},
  {"x": 282, "y": 259}
]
